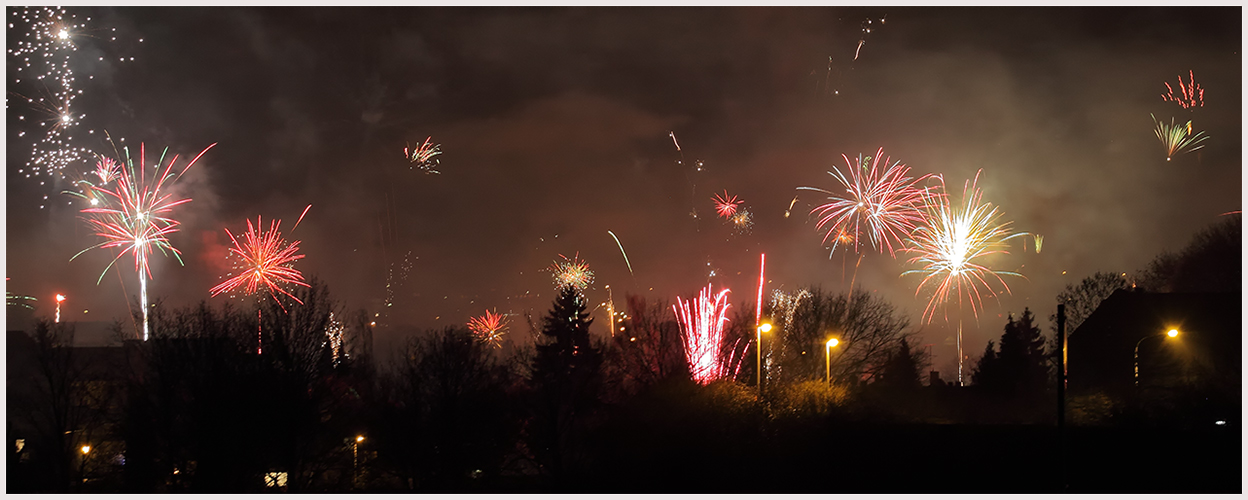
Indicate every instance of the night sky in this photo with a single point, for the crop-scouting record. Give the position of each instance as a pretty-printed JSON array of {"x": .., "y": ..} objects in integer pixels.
[{"x": 554, "y": 125}]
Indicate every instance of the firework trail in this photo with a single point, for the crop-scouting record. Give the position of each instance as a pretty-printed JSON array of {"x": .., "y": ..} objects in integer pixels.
[
  {"x": 948, "y": 246},
  {"x": 887, "y": 201},
  {"x": 790, "y": 209},
  {"x": 726, "y": 206},
  {"x": 1190, "y": 96},
  {"x": 1178, "y": 139},
  {"x": 702, "y": 333},
  {"x": 305, "y": 212},
  {"x": 866, "y": 32},
  {"x": 134, "y": 216},
  {"x": 571, "y": 273},
  {"x": 11, "y": 300},
  {"x": 489, "y": 328},
  {"x": 617, "y": 242},
  {"x": 697, "y": 167},
  {"x": 40, "y": 57},
  {"x": 421, "y": 157},
  {"x": 268, "y": 263}
]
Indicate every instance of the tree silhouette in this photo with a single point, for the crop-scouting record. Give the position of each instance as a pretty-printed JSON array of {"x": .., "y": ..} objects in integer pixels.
[
  {"x": 566, "y": 379},
  {"x": 1209, "y": 263},
  {"x": 901, "y": 372},
  {"x": 1018, "y": 369}
]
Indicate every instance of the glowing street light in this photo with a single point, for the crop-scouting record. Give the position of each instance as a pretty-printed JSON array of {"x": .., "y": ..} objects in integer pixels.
[
  {"x": 1171, "y": 333},
  {"x": 355, "y": 460},
  {"x": 827, "y": 359},
  {"x": 86, "y": 448},
  {"x": 758, "y": 351}
]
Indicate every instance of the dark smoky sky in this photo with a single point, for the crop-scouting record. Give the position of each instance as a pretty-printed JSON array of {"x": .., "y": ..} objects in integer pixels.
[{"x": 555, "y": 123}]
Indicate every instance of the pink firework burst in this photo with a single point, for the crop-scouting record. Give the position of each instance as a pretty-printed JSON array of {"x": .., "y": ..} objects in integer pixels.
[
  {"x": 884, "y": 203},
  {"x": 107, "y": 170},
  {"x": 489, "y": 328},
  {"x": 269, "y": 263},
  {"x": 702, "y": 333},
  {"x": 1190, "y": 95},
  {"x": 726, "y": 206}
]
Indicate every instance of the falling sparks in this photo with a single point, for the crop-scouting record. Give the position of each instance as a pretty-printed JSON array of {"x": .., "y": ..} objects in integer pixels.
[
  {"x": 334, "y": 338},
  {"x": 1177, "y": 139},
  {"x": 702, "y": 333},
  {"x": 886, "y": 201},
  {"x": 268, "y": 263},
  {"x": 1190, "y": 96},
  {"x": 866, "y": 27},
  {"x": 726, "y": 206},
  {"x": 489, "y": 328},
  {"x": 40, "y": 59},
  {"x": 134, "y": 216},
  {"x": 571, "y": 273},
  {"x": 422, "y": 156},
  {"x": 952, "y": 241}
]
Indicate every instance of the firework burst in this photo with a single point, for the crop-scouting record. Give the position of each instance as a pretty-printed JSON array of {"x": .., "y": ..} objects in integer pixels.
[
  {"x": 1190, "y": 96},
  {"x": 885, "y": 203},
  {"x": 702, "y": 334},
  {"x": 1177, "y": 138},
  {"x": 742, "y": 222},
  {"x": 422, "y": 156},
  {"x": 952, "y": 241},
  {"x": 134, "y": 216},
  {"x": 268, "y": 263},
  {"x": 489, "y": 328},
  {"x": 571, "y": 273},
  {"x": 726, "y": 206}
]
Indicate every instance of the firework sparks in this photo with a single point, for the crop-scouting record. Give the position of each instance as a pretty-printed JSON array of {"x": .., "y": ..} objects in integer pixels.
[
  {"x": 952, "y": 240},
  {"x": 489, "y": 328},
  {"x": 726, "y": 206},
  {"x": 334, "y": 338},
  {"x": 742, "y": 222},
  {"x": 40, "y": 59},
  {"x": 886, "y": 201},
  {"x": 790, "y": 209},
  {"x": 134, "y": 216},
  {"x": 1178, "y": 139},
  {"x": 571, "y": 273},
  {"x": 268, "y": 263},
  {"x": 866, "y": 27},
  {"x": 1039, "y": 241},
  {"x": 422, "y": 156},
  {"x": 702, "y": 333},
  {"x": 1190, "y": 95}
]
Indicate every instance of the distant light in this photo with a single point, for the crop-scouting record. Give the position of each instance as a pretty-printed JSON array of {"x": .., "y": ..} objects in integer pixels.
[
  {"x": 833, "y": 342},
  {"x": 359, "y": 439},
  {"x": 1220, "y": 422},
  {"x": 765, "y": 327},
  {"x": 1173, "y": 333},
  {"x": 86, "y": 449}
]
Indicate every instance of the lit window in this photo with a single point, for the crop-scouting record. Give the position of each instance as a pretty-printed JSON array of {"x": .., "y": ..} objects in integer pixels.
[{"x": 275, "y": 480}]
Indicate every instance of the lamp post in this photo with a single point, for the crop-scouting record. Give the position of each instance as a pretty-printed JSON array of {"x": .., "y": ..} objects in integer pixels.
[
  {"x": 827, "y": 360},
  {"x": 355, "y": 461},
  {"x": 758, "y": 351},
  {"x": 1172, "y": 333}
]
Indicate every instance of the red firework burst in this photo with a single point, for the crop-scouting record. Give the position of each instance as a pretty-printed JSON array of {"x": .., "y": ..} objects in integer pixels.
[
  {"x": 269, "y": 263},
  {"x": 489, "y": 328},
  {"x": 726, "y": 206}
]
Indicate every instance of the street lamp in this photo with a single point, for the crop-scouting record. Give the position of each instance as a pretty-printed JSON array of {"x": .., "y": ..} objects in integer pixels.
[
  {"x": 355, "y": 460},
  {"x": 827, "y": 359},
  {"x": 758, "y": 351},
  {"x": 1172, "y": 333}
]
